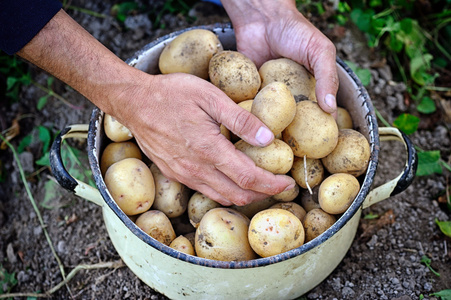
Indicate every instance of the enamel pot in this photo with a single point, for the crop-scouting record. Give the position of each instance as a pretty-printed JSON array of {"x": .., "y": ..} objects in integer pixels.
[{"x": 284, "y": 276}]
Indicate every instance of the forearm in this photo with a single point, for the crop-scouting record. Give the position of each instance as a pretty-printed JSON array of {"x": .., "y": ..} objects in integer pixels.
[{"x": 65, "y": 50}]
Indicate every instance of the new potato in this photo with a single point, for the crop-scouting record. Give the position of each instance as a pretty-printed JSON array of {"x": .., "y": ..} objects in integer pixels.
[
  {"x": 198, "y": 206},
  {"x": 117, "y": 151},
  {"x": 300, "y": 81},
  {"x": 171, "y": 197},
  {"x": 131, "y": 185},
  {"x": 222, "y": 235},
  {"x": 315, "y": 172},
  {"x": 351, "y": 155},
  {"x": 276, "y": 157},
  {"x": 275, "y": 106},
  {"x": 190, "y": 53},
  {"x": 313, "y": 132},
  {"x": 115, "y": 130},
  {"x": 156, "y": 224},
  {"x": 315, "y": 222},
  {"x": 235, "y": 74},
  {"x": 337, "y": 192},
  {"x": 274, "y": 231}
]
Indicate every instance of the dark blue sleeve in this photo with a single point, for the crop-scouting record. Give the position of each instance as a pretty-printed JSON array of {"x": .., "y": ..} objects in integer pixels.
[{"x": 21, "y": 20}]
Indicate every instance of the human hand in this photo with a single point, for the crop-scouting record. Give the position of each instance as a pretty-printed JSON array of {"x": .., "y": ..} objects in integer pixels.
[
  {"x": 273, "y": 29},
  {"x": 175, "y": 119}
]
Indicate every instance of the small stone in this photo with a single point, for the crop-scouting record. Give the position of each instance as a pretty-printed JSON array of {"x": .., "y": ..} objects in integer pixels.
[{"x": 10, "y": 254}]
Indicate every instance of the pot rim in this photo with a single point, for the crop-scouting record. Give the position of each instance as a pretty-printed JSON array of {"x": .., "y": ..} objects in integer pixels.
[{"x": 356, "y": 205}]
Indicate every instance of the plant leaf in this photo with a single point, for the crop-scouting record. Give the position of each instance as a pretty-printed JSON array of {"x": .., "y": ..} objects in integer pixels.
[
  {"x": 364, "y": 76},
  {"x": 24, "y": 143},
  {"x": 445, "y": 227},
  {"x": 426, "y": 106},
  {"x": 42, "y": 102},
  {"x": 45, "y": 138},
  {"x": 407, "y": 123},
  {"x": 443, "y": 294},
  {"x": 44, "y": 160},
  {"x": 10, "y": 82},
  {"x": 429, "y": 163},
  {"x": 419, "y": 66}
]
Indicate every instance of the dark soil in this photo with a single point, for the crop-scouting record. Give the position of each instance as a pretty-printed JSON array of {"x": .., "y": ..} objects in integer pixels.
[{"x": 384, "y": 261}]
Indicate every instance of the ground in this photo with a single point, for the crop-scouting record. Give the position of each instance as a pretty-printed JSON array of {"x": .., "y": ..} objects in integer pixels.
[{"x": 384, "y": 261}]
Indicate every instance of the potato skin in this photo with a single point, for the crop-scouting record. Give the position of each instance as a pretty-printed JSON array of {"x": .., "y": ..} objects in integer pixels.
[
  {"x": 249, "y": 210},
  {"x": 116, "y": 131},
  {"x": 313, "y": 132},
  {"x": 275, "y": 106},
  {"x": 315, "y": 172},
  {"x": 351, "y": 155},
  {"x": 182, "y": 244},
  {"x": 276, "y": 157},
  {"x": 117, "y": 151},
  {"x": 131, "y": 185},
  {"x": 287, "y": 196},
  {"x": 156, "y": 224},
  {"x": 190, "y": 53},
  {"x": 309, "y": 201},
  {"x": 337, "y": 192},
  {"x": 344, "y": 120},
  {"x": 274, "y": 231},
  {"x": 235, "y": 74},
  {"x": 300, "y": 81},
  {"x": 292, "y": 207},
  {"x": 222, "y": 235},
  {"x": 315, "y": 222},
  {"x": 171, "y": 197},
  {"x": 198, "y": 206}
]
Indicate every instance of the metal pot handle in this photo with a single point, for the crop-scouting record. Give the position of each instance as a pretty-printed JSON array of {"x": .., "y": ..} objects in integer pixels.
[
  {"x": 63, "y": 177},
  {"x": 407, "y": 175}
]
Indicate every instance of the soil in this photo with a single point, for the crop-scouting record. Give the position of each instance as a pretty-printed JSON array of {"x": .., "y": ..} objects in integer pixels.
[{"x": 383, "y": 262}]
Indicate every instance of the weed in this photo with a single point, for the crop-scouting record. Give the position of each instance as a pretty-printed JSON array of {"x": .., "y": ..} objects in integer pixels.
[
  {"x": 427, "y": 261},
  {"x": 443, "y": 295},
  {"x": 7, "y": 280}
]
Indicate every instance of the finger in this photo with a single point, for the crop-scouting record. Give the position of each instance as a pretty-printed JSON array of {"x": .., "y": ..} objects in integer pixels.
[
  {"x": 325, "y": 70},
  {"x": 241, "y": 122}
]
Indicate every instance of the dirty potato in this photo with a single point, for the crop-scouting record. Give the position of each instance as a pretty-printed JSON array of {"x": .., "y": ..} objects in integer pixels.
[
  {"x": 115, "y": 131},
  {"x": 156, "y": 224},
  {"x": 198, "y": 206},
  {"x": 182, "y": 244},
  {"x": 316, "y": 221},
  {"x": 190, "y": 53},
  {"x": 117, "y": 151},
  {"x": 312, "y": 175},
  {"x": 337, "y": 192}
]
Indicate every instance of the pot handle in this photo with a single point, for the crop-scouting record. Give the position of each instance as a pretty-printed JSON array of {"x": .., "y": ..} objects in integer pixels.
[
  {"x": 63, "y": 177},
  {"x": 407, "y": 175}
]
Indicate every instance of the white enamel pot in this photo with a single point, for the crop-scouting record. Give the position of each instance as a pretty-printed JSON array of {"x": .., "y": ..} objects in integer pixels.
[{"x": 284, "y": 276}]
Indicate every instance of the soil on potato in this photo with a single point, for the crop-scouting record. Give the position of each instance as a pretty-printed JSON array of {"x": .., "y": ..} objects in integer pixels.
[{"x": 383, "y": 262}]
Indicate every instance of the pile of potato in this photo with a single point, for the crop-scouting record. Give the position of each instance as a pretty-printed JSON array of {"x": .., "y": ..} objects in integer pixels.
[{"x": 324, "y": 156}]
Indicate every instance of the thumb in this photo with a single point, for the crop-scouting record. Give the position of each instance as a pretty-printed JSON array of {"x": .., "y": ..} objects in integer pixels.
[{"x": 246, "y": 125}]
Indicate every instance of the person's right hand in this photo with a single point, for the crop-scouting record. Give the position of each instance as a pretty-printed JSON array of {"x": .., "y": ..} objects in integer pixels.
[{"x": 175, "y": 119}]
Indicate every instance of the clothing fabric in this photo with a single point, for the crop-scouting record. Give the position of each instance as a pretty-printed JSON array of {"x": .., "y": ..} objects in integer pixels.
[{"x": 21, "y": 20}]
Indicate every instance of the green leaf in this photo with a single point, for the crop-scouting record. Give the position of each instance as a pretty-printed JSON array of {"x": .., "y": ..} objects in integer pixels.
[
  {"x": 445, "y": 227},
  {"x": 364, "y": 76},
  {"x": 7, "y": 280},
  {"x": 371, "y": 216},
  {"x": 426, "y": 106},
  {"x": 42, "y": 102},
  {"x": 51, "y": 194},
  {"x": 24, "y": 143},
  {"x": 427, "y": 261},
  {"x": 407, "y": 123},
  {"x": 45, "y": 137},
  {"x": 10, "y": 82},
  {"x": 50, "y": 80},
  {"x": 444, "y": 294},
  {"x": 362, "y": 19},
  {"x": 429, "y": 163},
  {"x": 44, "y": 160},
  {"x": 419, "y": 66}
]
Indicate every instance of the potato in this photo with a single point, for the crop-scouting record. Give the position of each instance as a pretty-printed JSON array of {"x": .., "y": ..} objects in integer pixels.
[
  {"x": 274, "y": 231},
  {"x": 117, "y": 151},
  {"x": 156, "y": 224},
  {"x": 309, "y": 201},
  {"x": 171, "y": 197},
  {"x": 191, "y": 237},
  {"x": 276, "y": 157},
  {"x": 131, "y": 185},
  {"x": 351, "y": 155},
  {"x": 182, "y": 244},
  {"x": 344, "y": 120},
  {"x": 235, "y": 74},
  {"x": 292, "y": 207},
  {"x": 247, "y": 104},
  {"x": 198, "y": 206},
  {"x": 222, "y": 235},
  {"x": 313, "y": 132},
  {"x": 315, "y": 172},
  {"x": 190, "y": 53},
  {"x": 249, "y": 210},
  {"x": 225, "y": 132},
  {"x": 274, "y": 106},
  {"x": 316, "y": 222},
  {"x": 287, "y": 196},
  {"x": 337, "y": 192},
  {"x": 300, "y": 82},
  {"x": 115, "y": 131}
]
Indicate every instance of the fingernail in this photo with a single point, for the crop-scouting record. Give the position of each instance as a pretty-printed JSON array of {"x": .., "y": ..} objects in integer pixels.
[
  {"x": 263, "y": 136},
  {"x": 291, "y": 186},
  {"x": 331, "y": 101}
]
